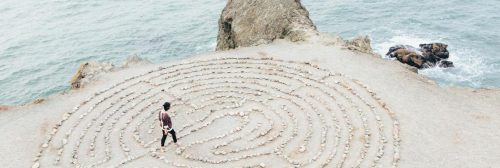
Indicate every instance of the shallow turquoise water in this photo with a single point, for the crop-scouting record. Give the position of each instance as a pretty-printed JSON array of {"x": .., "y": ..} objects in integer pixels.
[{"x": 43, "y": 42}]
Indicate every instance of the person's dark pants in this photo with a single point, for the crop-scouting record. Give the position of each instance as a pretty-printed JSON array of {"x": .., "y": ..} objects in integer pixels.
[{"x": 164, "y": 137}]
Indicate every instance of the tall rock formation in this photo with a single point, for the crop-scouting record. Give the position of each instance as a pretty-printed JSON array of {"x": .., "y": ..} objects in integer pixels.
[{"x": 253, "y": 22}]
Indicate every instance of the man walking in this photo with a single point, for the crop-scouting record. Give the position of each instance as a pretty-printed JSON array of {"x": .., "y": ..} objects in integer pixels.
[{"x": 166, "y": 125}]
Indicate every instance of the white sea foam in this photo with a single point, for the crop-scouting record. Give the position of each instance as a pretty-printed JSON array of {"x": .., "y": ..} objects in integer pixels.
[
  {"x": 469, "y": 69},
  {"x": 40, "y": 50},
  {"x": 414, "y": 41},
  {"x": 469, "y": 66}
]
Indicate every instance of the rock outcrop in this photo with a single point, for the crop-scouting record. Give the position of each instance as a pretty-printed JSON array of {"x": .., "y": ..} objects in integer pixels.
[
  {"x": 38, "y": 101},
  {"x": 359, "y": 43},
  {"x": 253, "y": 22},
  {"x": 428, "y": 55},
  {"x": 87, "y": 71},
  {"x": 135, "y": 60}
]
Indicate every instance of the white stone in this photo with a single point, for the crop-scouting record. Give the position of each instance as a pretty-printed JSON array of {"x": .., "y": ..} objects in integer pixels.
[{"x": 36, "y": 165}]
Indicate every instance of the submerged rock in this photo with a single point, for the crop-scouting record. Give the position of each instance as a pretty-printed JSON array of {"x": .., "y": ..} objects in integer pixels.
[
  {"x": 428, "y": 55},
  {"x": 248, "y": 23}
]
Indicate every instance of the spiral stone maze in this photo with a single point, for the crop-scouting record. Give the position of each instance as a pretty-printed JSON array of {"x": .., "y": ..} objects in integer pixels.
[{"x": 229, "y": 112}]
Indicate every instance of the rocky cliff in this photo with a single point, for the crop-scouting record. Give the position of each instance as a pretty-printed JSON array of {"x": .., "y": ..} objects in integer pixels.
[
  {"x": 88, "y": 71},
  {"x": 253, "y": 22},
  {"x": 318, "y": 103}
]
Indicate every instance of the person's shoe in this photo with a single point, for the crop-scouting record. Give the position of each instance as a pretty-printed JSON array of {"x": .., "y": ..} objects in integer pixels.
[{"x": 162, "y": 149}]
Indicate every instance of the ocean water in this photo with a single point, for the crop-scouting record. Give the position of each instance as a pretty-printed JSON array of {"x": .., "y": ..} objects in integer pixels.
[
  {"x": 470, "y": 28},
  {"x": 43, "y": 42}
]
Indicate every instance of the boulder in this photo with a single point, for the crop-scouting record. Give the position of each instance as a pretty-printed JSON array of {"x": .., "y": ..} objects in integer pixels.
[
  {"x": 438, "y": 50},
  {"x": 38, "y": 101},
  {"x": 359, "y": 43},
  {"x": 87, "y": 71},
  {"x": 445, "y": 64},
  {"x": 253, "y": 22},
  {"x": 428, "y": 55}
]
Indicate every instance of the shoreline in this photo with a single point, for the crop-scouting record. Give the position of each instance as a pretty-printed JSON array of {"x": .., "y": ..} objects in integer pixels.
[
  {"x": 274, "y": 94},
  {"x": 416, "y": 119},
  {"x": 139, "y": 60}
]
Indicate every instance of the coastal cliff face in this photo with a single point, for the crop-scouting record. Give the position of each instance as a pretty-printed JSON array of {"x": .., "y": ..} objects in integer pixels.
[
  {"x": 345, "y": 108},
  {"x": 253, "y": 22}
]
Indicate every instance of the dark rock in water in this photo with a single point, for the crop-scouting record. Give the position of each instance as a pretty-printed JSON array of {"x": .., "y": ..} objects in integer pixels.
[
  {"x": 438, "y": 50},
  {"x": 446, "y": 64},
  {"x": 397, "y": 47},
  {"x": 408, "y": 55},
  {"x": 428, "y": 55},
  {"x": 247, "y": 23}
]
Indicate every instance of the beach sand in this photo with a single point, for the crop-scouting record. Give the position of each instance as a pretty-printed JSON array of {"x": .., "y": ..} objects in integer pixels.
[{"x": 277, "y": 105}]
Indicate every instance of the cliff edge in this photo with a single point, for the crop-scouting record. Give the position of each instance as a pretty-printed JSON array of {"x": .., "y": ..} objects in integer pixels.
[{"x": 323, "y": 103}]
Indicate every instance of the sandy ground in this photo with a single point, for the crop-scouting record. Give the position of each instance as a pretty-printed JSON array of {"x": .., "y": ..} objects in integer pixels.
[{"x": 278, "y": 105}]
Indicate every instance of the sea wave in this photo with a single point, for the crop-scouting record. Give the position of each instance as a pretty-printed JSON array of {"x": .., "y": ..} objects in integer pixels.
[
  {"x": 56, "y": 36},
  {"x": 469, "y": 70}
]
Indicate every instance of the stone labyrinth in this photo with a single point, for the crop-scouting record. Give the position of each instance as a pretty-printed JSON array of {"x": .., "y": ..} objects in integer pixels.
[{"x": 229, "y": 112}]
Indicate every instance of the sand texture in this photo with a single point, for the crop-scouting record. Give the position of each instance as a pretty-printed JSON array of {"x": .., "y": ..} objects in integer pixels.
[{"x": 277, "y": 105}]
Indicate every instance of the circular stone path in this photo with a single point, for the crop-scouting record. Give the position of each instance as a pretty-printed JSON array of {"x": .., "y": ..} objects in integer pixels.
[{"x": 229, "y": 112}]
